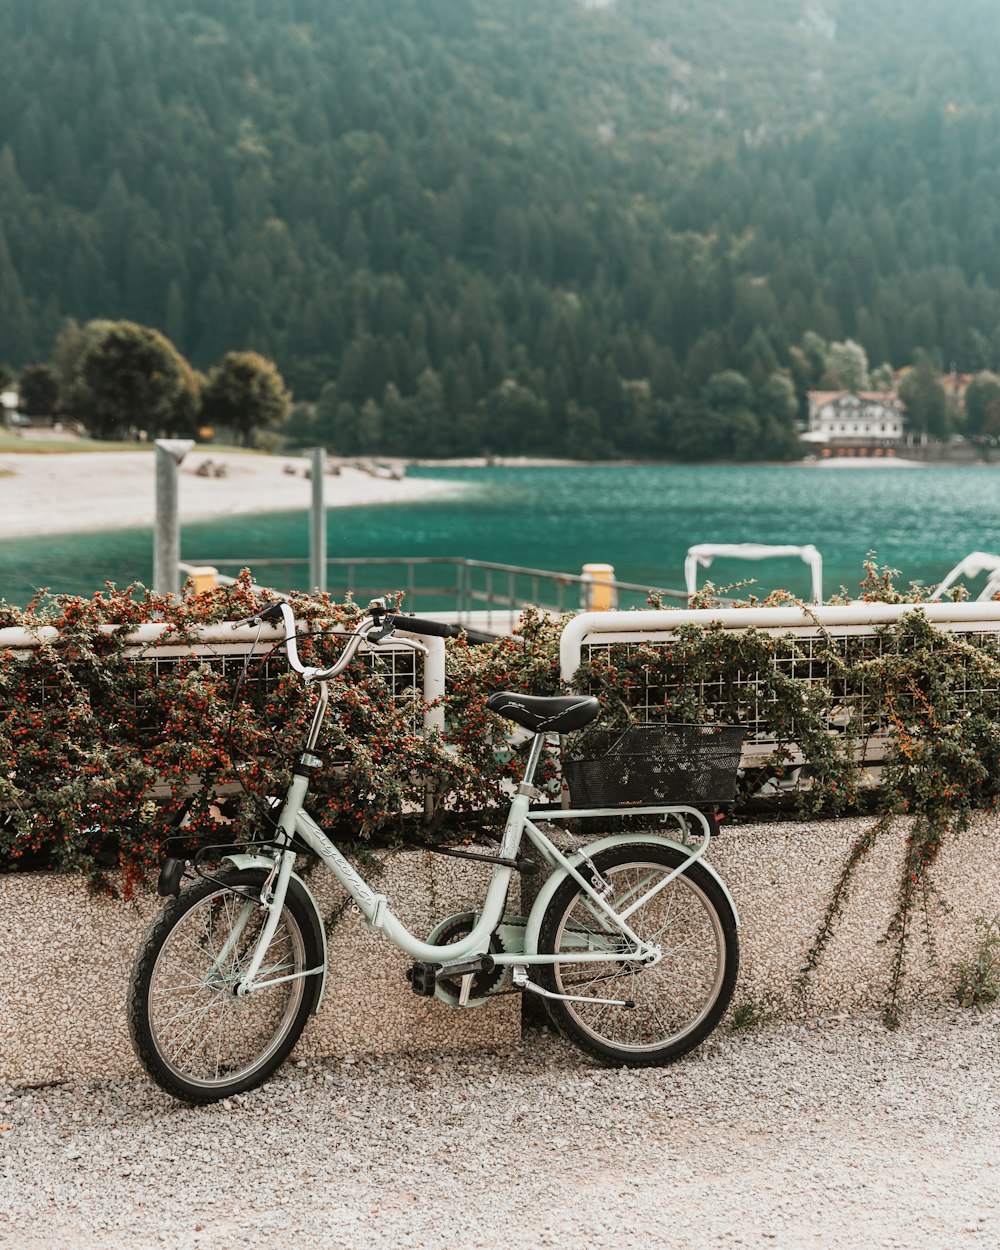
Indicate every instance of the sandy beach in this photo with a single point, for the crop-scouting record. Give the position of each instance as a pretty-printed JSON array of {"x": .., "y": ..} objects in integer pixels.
[{"x": 68, "y": 492}]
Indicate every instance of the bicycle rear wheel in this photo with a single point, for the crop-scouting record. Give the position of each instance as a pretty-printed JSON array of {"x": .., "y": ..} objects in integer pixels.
[
  {"x": 679, "y": 1000},
  {"x": 189, "y": 1030}
]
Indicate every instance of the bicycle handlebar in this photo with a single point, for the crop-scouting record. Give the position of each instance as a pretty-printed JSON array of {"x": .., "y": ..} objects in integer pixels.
[
  {"x": 378, "y": 626},
  {"x": 440, "y": 629},
  {"x": 374, "y": 628},
  {"x": 280, "y": 608}
]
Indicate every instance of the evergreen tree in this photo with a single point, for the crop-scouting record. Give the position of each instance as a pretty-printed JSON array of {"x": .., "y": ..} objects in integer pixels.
[
  {"x": 582, "y": 435},
  {"x": 364, "y": 193},
  {"x": 299, "y": 429}
]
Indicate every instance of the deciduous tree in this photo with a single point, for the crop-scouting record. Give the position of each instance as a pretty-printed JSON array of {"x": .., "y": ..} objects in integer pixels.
[
  {"x": 130, "y": 378},
  {"x": 38, "y": 388},
  {"x": 926, "y": 402},
  {"x": 846, "y": 366},
  {"x": 982, "y": 405},
  {"x": 246, "y": 393}
]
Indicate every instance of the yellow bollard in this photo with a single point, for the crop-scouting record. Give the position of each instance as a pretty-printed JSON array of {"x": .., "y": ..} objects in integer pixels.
[
  {"x": 598, "y": 593},
  {"x": 201, "y": 577}
]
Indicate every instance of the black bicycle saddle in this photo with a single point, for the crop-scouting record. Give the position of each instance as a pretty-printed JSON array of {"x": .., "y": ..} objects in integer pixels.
[{"x": 557, "y": 715}]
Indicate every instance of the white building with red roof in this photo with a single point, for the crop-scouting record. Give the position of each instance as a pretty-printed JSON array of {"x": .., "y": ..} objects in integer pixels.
[{"x": 855, "y": 423}]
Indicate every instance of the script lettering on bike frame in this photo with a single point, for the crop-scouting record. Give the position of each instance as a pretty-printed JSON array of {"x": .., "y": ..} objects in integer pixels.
[{"x": 326, "y": 848}]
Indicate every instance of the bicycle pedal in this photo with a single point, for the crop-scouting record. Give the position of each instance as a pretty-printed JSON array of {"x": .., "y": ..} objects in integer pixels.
[
  {"x": 422, "y": 979},
  {"x": 460, "y": 968}
]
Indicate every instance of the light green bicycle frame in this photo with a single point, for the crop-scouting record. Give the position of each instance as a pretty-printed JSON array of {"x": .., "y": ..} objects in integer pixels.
[{"x": 374, "y": 907}]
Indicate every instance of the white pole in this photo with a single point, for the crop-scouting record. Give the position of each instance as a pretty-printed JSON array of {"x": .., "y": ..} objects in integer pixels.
[{"x": 317, "y": 541}]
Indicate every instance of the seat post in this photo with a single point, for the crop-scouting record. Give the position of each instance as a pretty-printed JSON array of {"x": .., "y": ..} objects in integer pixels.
[{"x": 534, "y": 755}]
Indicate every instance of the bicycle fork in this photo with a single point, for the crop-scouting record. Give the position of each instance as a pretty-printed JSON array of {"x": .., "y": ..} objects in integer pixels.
[
  {"x": 272, "y": 897},
  {"x": 278, "y": 878}
]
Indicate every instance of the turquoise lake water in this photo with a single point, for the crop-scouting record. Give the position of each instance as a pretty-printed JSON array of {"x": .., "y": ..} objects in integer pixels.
[{"x": 641, "y": 519}]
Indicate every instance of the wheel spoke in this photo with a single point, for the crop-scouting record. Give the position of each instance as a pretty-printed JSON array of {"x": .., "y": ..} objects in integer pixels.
[{"x": 193, "y": 1034}]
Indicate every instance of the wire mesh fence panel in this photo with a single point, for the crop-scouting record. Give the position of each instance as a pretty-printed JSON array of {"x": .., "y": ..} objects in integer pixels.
[{"x": 843, "y": 673}]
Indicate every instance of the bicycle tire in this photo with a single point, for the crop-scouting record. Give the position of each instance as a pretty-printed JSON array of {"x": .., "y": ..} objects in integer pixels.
[
  {"x": 190, "y": 1032},
  {"x": 679, "y": 1000}
]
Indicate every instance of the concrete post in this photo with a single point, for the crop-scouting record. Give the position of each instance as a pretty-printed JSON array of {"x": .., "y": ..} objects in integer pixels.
[
  {"x": 317, "y": 537},
  {"x": 167, "y": 538}
]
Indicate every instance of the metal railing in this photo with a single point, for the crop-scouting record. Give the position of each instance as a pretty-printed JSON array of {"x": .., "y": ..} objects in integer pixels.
[
  {"x": 223, "y": 650},
  {"x": 444, "y": 583},
  {"x": 417, "y": 681},
  {"x": 803, "y": 639},
  {"x": 421, "y": 681}
]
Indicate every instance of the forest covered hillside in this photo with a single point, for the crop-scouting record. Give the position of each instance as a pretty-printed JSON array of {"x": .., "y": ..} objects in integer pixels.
[{"x": 585, "y": 226}]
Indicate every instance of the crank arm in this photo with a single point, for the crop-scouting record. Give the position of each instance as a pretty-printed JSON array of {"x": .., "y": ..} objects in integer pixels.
[{"x": 523, "y": 982}]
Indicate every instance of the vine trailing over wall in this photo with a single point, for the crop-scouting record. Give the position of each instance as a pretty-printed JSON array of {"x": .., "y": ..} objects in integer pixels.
[
  {"x": 932, "y": 698},
  {"x": 88, "y": 725},
  {"x": 943, "y": 764}
]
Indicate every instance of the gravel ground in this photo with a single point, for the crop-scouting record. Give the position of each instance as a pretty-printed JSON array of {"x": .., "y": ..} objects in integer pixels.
[{"x": 833, "y": 1134}]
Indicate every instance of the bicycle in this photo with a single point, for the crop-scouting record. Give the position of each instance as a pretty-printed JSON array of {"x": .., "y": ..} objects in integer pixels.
[{"x": 632, "y": 938}]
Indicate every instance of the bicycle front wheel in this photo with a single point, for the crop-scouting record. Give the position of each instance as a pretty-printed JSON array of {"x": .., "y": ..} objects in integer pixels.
[
  {"x": 190, "y": 1031},
  {"x": 677, "y": 1001}
]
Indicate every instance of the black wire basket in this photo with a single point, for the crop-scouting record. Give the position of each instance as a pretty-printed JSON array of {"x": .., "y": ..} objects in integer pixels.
[{"x": 653, "y": 764}]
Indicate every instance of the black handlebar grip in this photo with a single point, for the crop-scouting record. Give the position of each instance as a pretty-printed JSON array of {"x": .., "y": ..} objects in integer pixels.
[{"x": 417, "y": 625}]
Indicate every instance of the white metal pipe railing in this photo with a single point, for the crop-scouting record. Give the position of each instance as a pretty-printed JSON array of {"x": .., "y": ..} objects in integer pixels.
[
  {"x": 971, "y": 566},
  {"x": 809, "y": 653},
  {"x": 584, "y": 632},
  {"x": 702, "y": 555},
  {"x": 860, "y": 616},
  {"x": 152, "y": 641}
]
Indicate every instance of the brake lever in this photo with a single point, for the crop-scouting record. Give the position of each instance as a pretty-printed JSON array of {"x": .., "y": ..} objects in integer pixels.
[
  {"x": 272, "y": 610},
  {"x": 379, "y": 632},
  {"x": 376, "y": 636}
]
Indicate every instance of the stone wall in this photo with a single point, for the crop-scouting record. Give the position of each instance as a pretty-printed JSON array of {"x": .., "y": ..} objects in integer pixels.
[
  {"x": 66, "y": 955},
  {"x": 782, "y": 875}
]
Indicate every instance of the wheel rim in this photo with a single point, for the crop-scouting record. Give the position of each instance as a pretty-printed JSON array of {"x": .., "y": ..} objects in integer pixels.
[
  {"x": 202, "y": 1032},
  {"x": 673, "y": 997}
]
